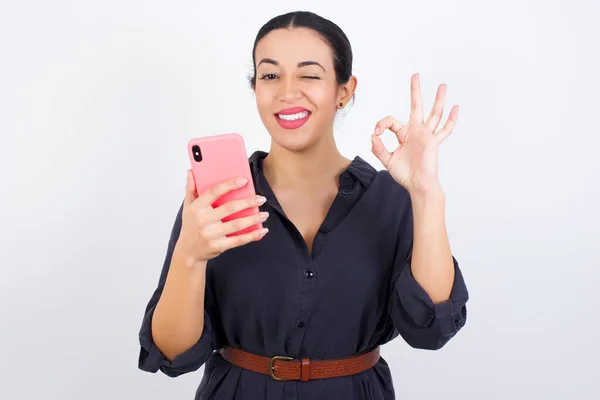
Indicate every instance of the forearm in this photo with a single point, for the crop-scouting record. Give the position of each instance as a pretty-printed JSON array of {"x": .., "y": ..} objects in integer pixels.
[
  {"x": 431, "y": 265},
  {"x": 178, "y": 319}
]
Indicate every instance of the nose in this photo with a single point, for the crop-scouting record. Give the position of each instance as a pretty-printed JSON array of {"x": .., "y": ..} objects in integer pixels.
[{"x": 289, "y": 90}]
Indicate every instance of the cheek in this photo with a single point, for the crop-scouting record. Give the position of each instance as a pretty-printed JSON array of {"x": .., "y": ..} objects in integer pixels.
[
  {"x": 263, "y": 101},
  {"x": 324, "y": 103},
  {"x": 320, "y": 95}
]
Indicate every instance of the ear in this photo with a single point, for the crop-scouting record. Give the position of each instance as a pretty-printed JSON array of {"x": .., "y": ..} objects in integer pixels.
[{"x": 346, "y": 91}]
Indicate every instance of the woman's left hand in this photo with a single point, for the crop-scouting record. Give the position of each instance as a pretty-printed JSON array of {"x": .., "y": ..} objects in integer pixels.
[{"x": 414, "y": 163}]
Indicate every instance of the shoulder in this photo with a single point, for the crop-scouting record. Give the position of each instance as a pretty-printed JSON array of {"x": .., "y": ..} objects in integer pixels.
[
  {"x": 378, "y": 181},
  {"x": 387, "y": 204},
  {"x": 388, "y": 187},
  {"x": 389, "y": 196}
]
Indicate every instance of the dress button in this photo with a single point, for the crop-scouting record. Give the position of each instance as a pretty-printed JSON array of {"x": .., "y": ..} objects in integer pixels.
[
  {"x": 300, "y": 324},
  {"x": 309, "y": 273}
]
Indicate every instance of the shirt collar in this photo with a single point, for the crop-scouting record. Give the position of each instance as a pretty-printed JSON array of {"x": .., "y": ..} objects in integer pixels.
[{"x": 359, "y": 168}]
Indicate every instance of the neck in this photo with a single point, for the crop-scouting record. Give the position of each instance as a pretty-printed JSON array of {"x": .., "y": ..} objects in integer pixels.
[{"x": 319, "y": 164}]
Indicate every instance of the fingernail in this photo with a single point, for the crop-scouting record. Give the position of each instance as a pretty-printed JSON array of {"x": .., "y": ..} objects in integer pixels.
[
  {"x": 260, "y": 199},
  {"x": 241, "y": 182},
  {"x": 264, "y": 215}
]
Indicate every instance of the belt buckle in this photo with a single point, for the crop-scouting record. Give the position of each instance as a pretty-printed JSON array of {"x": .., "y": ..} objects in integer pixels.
[{"x": 272, "y": 366}]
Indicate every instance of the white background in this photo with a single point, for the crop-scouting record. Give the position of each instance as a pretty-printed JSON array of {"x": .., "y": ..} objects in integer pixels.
[{"x": 98, "y": 100}]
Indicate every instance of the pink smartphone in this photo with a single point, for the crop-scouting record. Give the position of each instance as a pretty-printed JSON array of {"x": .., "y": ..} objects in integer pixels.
[{"x": 219, "y": 158}]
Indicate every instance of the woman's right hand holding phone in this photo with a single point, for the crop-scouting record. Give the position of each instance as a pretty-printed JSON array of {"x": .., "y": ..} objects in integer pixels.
[{"x": 203, "y": 234}]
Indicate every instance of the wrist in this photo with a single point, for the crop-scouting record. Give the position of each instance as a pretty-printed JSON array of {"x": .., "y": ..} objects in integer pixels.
[
  {"x": 433, "y": 193},
  {"x": 186, "y": 258}
]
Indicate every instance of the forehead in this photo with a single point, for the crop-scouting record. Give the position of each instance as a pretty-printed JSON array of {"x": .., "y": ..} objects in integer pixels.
[{"x": 290, "y": 46}]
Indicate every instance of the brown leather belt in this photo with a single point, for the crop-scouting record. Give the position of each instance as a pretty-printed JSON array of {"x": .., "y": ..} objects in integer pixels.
[{"x": 288, "y": 369}]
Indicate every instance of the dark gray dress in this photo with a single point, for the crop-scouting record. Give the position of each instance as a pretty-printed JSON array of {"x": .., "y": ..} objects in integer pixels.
[{"x": 353, "y": 293}]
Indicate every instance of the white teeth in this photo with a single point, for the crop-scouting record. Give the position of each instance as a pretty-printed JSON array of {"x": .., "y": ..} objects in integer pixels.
[{"x": 292, "y": 117}]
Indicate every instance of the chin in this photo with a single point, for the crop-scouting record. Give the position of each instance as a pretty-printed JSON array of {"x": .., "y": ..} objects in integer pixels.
[{"x": 296, "y": 142}]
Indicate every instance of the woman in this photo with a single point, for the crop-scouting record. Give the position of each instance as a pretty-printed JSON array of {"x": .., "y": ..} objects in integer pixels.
[{"x": 353, "y": 256}]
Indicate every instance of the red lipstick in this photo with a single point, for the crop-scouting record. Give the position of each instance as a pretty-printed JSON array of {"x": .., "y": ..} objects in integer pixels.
[{"x": 292, "y": 123}]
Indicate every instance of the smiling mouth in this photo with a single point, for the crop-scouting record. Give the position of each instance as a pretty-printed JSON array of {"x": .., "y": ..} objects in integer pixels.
[
  {"x": 293, "y": 121},
  {"x": 293, "y": 117}
]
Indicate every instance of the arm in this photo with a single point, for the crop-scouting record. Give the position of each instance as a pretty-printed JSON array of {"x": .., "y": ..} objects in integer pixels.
[
  {"x": 178, "y": 319},
  {"x": 427, "y": 300},
  {"x": 176, "y": 335},
  {"x": 428, "y": 294},
  {"x": 432, "y": 265}
]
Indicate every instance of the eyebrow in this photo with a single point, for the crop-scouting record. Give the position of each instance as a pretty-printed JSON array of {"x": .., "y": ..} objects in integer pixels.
[{"x": 300, "y": 64}]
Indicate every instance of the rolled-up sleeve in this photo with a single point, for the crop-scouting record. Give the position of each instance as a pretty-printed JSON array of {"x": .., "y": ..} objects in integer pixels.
[
  {"x": 419, "y": 321},
  {"x": 150, "y": 357}
]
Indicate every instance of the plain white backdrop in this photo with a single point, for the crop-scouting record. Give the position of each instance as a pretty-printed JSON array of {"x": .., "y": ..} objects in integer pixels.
[{"x": 98, "y": 100}]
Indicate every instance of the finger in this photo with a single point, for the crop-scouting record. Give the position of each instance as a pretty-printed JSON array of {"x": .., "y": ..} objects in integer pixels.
[
  {"x": 416, "y": 103},
  {"x": 234, "y": 206},
  {"x": 213, "y": 193},
  {"x": 438, "y": 109},
  {"x": 390, "y": 123},
  {"x": 230, "y": 242},
  {"x": 378, "y": 148},
  {"x": 190, "y": 189},
  {"x": 244, "y": 222},
  {"x": 449, "y": 125}
]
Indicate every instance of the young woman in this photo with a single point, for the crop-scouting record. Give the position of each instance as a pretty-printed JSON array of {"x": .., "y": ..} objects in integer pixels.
[{"x": 353, "y": 256}]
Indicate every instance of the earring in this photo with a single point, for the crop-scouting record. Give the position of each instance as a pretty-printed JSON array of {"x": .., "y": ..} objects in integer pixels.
[{"x": 341, "y": 104}]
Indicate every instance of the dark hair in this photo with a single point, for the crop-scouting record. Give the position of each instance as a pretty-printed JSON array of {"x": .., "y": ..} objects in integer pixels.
[{"x": 329, "y": 31}]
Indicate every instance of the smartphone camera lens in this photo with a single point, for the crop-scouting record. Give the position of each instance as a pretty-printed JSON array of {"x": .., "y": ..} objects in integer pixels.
[{"x": 197, "y": 153}]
